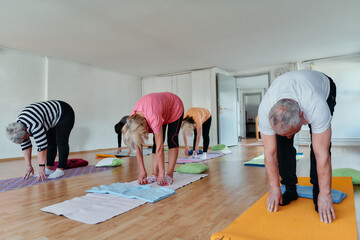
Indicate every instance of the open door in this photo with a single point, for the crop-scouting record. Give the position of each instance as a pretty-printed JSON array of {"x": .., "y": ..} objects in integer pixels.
[
  {"x": 251, "y": 89},
  {"x": 227, "y": 111},
  {"x": 251, "y": 102}
]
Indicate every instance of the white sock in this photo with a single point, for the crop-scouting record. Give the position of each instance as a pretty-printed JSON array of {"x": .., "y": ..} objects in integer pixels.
[
  {"x": 203, "y": 156},
  {"x": 57, "y": 173},
  {"x": 48, "y": 171}
]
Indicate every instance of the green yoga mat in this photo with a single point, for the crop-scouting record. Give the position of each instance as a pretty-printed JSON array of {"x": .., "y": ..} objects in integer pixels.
[{"x": 259, "y": 161}]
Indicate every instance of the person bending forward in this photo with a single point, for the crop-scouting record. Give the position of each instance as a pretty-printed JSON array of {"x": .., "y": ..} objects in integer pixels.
[
  {"x": 153, "y": 113},
  {"x": 50, "y": 124},
  {"x": 197, "y": 121},
  {"x": 294, "y": 99}
]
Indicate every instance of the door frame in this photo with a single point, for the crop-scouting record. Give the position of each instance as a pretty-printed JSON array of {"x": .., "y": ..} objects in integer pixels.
[
  {"x": 241, "y": 91},
  {"x": 244, "y": 95}
]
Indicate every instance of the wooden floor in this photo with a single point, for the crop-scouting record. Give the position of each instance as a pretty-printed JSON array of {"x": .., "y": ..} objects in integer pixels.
[{"x": 195, "y": 212}]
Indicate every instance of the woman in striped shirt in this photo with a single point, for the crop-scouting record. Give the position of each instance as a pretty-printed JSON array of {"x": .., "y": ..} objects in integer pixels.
[{"x": 50, "y": 124}]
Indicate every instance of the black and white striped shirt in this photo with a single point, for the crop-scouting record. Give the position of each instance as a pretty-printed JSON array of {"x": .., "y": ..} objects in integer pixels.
[{"x": 39, "y": 118}]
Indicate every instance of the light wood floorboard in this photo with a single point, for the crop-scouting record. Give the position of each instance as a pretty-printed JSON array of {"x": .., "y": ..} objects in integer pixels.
[{"x": 195, "y": 212}]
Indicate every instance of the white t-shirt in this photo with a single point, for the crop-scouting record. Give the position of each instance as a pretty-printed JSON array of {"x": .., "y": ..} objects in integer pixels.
[{"x": 310, "y": 89}]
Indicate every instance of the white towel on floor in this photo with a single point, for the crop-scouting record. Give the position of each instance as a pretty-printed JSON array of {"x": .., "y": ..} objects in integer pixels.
[{"x": 94, "y": 208}]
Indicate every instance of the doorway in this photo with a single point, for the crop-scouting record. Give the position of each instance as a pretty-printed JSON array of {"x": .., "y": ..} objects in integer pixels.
[
  {"x": 251, "y": 89},
  {"x": 251, "y": 102}
]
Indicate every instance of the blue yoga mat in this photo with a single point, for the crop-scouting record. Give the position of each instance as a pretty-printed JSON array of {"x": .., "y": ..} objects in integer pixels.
[
  {"x": 307, "y": 192},
  {"x": 142, "y": 192}
]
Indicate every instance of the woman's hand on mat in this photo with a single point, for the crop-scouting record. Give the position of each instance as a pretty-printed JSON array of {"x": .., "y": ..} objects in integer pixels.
[
  {"x": 187, "y": 151},
  {"x": 326, "y": 208},
  {"x": 274, "y": 199},
  {"x": 29, "y": 171},
  {"x": 42, "y": 175},
  {"x": 161, "y": 179},
  {"x": 142, "y": 179},
  {"x": 196, "y": 151}
]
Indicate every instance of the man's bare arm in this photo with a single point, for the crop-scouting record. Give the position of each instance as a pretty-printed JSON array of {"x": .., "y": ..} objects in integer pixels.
[
  {"x": 271, "y": 165},
  {"x": 321, "y": 145}
]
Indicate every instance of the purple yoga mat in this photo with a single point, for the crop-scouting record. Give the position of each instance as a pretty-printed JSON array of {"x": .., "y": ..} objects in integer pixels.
[{"x": 19, "y": 182}]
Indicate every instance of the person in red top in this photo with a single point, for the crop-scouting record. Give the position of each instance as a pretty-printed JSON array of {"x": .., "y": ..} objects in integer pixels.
[
  {"x": 197, "y": 120},
  {"x": 152, "y": 114}
]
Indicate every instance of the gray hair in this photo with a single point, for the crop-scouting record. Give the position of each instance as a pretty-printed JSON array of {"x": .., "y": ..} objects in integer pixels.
[
  {"x": 135, "y": 131},
  {"x": 284, "y": 116},
  {"x": 16, "y": 132}
]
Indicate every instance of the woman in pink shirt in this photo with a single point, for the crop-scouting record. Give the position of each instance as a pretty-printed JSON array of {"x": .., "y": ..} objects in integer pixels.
[{"x": 151, "y": 114}]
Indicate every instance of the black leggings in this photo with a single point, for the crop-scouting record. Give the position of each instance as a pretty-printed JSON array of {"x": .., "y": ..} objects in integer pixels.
[
  {"x": 172, "y": 134},
  {"x": 58, "y": 136},
  {"x": 287, "y": 153},
  {"x": 205, "y": 134}
]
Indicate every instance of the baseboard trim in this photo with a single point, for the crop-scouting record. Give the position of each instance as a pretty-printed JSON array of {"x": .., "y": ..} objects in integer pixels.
[
  {"x": 345, "y": 141},
  {"x": 334, "y": 141}
]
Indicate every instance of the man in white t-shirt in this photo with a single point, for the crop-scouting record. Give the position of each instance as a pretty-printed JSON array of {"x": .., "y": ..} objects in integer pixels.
[{"x": 294, "y": 99}]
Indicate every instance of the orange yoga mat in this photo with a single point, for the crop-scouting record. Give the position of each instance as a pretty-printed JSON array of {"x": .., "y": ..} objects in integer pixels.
[
  {"x": 298, "y": 220},
  {"x": 104, "y": 155}
]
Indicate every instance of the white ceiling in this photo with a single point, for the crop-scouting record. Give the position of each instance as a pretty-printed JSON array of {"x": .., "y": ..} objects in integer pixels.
[{"x": 152, "y": 37}]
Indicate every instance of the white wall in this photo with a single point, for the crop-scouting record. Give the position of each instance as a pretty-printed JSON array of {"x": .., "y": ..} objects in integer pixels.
[
  {"x": 273, "y": 71},
  {"x": 195, "y": 88},
  {"x": 21, "y": 83},
  {"x": 345, "y": 72},
  {"x": 99, "y": 97},
  {"x": 179, "y": 84},
  {"x": 204, "y": 95},
  {"x": 253, "y": 82}
]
